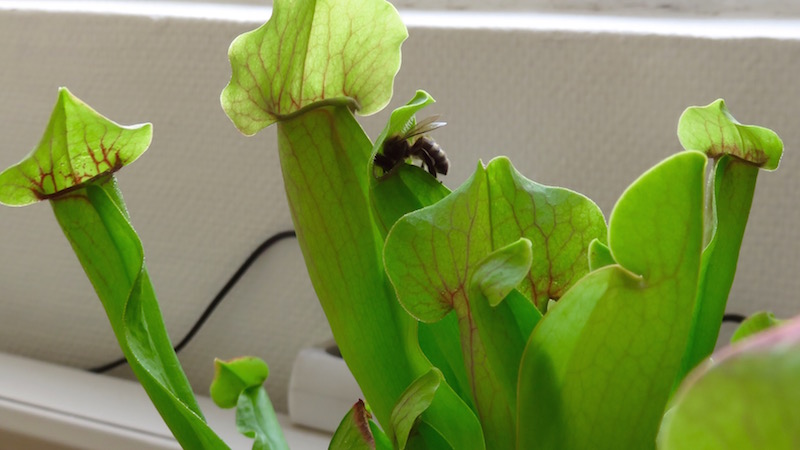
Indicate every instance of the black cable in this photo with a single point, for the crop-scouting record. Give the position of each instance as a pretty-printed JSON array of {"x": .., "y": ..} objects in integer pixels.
[
  {"x": 733, "y": 317},
  {"x": 217, "y": 299},
  {"x": 243, "y": 268}
]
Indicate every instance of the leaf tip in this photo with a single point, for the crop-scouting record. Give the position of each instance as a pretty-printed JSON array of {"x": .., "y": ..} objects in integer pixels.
[
  {"x": 310, "y": 52},
  {"x": 233, "y": 376},
  {"x": 713, "y": 130}
]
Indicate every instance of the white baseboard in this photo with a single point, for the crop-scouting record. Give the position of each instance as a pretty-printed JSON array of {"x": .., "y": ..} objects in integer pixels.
[{"x": 74, "y": 408}]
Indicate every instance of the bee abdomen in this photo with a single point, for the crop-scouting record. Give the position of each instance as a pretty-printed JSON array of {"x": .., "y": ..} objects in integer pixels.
[{"x": 438, "y": 156}]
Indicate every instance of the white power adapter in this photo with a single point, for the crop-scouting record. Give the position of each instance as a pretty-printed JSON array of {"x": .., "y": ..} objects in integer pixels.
[{"x": 321, "y": 388}]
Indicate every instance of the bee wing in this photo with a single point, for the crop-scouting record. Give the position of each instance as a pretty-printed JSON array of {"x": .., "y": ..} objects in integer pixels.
[{"x": 424, "y": 126}]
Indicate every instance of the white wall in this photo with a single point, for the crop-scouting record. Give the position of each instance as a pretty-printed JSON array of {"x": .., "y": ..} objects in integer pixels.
[
  {"x": 760, "y": 8},
  {"x": 586, "y": 103}
]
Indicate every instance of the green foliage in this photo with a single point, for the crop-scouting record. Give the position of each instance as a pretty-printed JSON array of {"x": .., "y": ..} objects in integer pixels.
[
  {"x": 550, "y": 330},
  {"x": 357, "y": 431},
  {"x": 738, "y": 151},
  {"x": 504, "y": 314},
  {"x": 239, "y": 382},
  {"x": 746, "y": 399},
  {"x": 609, "y": 351},
  {"x": 326, "y": 158},
  {"x": 87, "y": 204},
  {"x": 445, "y": 257},
  {"x": 714, "y": 131},
  {"x": 79, "y": 145},
  {"x": 233, "y": 377},
  {"x": 754, "y": 324},
  {"x": 414, "y": 401},
  {"x": 599, "y": 255},
  {"x": 313, "y": 51}
]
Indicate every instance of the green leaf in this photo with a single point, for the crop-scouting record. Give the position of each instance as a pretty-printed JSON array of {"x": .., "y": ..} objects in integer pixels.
[
  {"x": 502, "y": 270},
  {"x": 525, "y": 314},
  {"x": 738, "y": 150},
  {"x": 755, "y": 324},
  {"x": 414, "y": 401},
  {"x": 599, "y": 255},
  {"x": 308, "y": 68},
  {"x": 324, "y": 157},
  {"x": 448, "y": 419},
  {"x": 93, "y": 220},
  {"x": 356, "y": 432},
  {"x": 406, "y": 188},
  {"x": 600, "y": 365},
  {"x": 501, "y": 335},
  {"x": 78, "y": 145},
  {"x": 313, "y": 51},
  {"x": 232, "y": 377},
  {"x": 432, "y": 255},
  {"x": 73, "y": 167},
  {"x": 560, "y": 224},
  {"x": 714, "y": 131},
  {"x": 746, "y": 399},
  {"x": 433, "y": 438},
  {"x": 256, "y": 418},
  {"x": 382, "y": 441},
  {"x": 441, "y": 343}
]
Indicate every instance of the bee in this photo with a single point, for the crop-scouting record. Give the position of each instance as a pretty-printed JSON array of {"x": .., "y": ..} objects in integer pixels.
[{"x": 414, "y": 143}]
